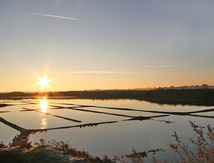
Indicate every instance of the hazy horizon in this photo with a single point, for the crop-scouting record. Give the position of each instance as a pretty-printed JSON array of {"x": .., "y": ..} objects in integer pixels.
[{"x": 123, "y": 44}]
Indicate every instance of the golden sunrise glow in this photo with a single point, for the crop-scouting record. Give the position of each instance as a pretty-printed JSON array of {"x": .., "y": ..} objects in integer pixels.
[
  {"x": 44, "y": 105},
  {"x": 43, "y": 82}
]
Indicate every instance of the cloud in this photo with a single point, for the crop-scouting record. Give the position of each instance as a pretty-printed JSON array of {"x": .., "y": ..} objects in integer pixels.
[
  {"x": 50, "y": 15},
  {"x": 106, "y": 72},
  {"x": 163, "y": 66}
]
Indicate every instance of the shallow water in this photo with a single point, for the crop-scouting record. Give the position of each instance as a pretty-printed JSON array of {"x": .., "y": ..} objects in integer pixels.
[{"x": 117, "y": 136}]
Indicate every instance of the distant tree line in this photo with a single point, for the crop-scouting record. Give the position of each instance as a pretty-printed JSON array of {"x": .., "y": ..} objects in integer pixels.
[{"x": 161, "y": 96}]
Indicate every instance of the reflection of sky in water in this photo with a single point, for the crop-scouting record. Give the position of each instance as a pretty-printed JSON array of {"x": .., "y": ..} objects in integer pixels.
[
  {"x": 135, "y": 104},
  {"x": 119, "y": 138},
  {"x": 7, "y": 133},
  {"x": 33, "y": 120},
  {"x": 111, "y": 139},
  {"x": 124, "y": 112},
  {"x": 86, "y": 117}
]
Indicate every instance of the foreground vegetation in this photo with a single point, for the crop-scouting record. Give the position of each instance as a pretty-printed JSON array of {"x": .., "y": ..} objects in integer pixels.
[
  {"x": 202, "y": 144},
  {"x": 200, "y": 149}
]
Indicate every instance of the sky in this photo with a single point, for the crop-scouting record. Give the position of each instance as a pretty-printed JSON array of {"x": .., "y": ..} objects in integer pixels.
[{"x": 105, "y": 44}]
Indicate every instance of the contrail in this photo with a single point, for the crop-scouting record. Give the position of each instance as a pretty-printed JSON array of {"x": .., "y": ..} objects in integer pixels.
[{"x": 51, "y": 16}]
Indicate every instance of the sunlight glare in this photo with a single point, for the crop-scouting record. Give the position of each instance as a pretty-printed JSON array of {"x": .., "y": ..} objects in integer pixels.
[{"x": 43, "y": 82}]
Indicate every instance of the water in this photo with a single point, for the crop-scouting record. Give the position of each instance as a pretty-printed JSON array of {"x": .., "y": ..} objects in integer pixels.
[{"x": 117, "y": 136}]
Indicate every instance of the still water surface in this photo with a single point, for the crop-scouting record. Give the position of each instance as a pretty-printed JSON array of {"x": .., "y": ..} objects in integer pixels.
[{"x": 115, "y": 138}]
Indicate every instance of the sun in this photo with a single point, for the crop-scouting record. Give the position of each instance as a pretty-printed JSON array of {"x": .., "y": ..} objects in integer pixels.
[{"x": 43, "y": 82}]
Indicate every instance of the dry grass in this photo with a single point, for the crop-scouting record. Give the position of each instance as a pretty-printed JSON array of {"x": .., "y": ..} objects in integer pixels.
[
  {"x": 203, "y": 146},
  {"x": 67, "y": 149},
  {"x": 199, "y": 149}
]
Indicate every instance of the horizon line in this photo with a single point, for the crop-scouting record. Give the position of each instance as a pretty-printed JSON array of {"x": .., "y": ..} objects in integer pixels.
[{"x": 115, "y": 89}]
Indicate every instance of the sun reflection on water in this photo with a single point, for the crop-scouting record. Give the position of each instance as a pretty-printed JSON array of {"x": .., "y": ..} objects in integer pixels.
[
  {"x": 44, "y": 123},
  {"x": 44, "y": 105}
]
